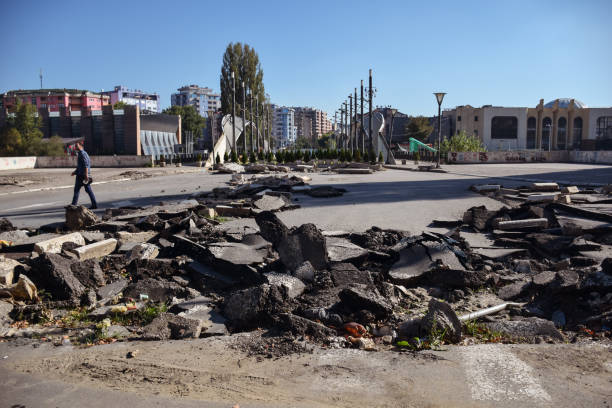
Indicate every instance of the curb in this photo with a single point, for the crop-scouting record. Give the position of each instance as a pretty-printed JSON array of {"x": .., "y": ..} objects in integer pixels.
[{"x": 33, "y": 190}]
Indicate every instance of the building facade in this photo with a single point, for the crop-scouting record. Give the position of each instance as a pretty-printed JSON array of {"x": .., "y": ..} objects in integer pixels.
[
  {"x": 203, "y": 99},
  {"x": 146, "y": 102},
  {"x": 56, "y": 100},
  {"x": 284, "y": 130},
  {"x": 561, "y": 124},
  {"x": 311, "y": 123}
]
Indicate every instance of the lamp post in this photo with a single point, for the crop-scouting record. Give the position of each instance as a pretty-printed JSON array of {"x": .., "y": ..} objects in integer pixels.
[
  {"x": 350, "y": 127},
  {"x": 439, "y": 98},
  {"x": 244, "y": 116},
  {"x": 257, "y": 122},
  {"x": 361, "y": 122},
  {"x": 233, "y": 112},
  {"x": 393, "y": 112}
]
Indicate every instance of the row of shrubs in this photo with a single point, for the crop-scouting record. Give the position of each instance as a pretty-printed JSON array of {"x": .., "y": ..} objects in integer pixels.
[{"x": 288, "y": 156}]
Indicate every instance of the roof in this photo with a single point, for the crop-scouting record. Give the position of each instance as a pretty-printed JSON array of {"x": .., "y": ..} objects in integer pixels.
[{"x": 565, "y": 103}]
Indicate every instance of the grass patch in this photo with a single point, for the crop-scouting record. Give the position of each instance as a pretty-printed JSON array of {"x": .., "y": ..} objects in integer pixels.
[
  {"x": 76, "y": 317},
  {"x": 140, "y": 317}
]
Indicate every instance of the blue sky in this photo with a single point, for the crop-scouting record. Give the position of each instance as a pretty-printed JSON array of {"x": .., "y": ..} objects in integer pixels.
[{"x": 313, "y": 53}]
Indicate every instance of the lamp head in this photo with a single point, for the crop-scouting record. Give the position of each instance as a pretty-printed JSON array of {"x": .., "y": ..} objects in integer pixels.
[{"x": 439, "y": 97}]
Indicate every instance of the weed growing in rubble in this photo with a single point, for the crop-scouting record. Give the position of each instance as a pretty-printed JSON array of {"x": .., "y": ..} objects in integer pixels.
[
  {"x": 75, "y": 316},
  {"x": 140, "y": 317},
  {"x": 482, "y": 332}
]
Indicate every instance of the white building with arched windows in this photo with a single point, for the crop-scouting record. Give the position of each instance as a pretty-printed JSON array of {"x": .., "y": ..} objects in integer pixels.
[{"x": 561, "y": 124}]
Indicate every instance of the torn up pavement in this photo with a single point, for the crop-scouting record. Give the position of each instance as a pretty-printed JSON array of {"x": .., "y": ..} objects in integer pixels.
[{"x": 534, "y": 271}]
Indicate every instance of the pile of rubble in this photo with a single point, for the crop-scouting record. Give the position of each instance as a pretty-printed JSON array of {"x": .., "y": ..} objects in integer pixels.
[
  {"x": 305, "y": 167},
  {"x": 172, "y": 272}
]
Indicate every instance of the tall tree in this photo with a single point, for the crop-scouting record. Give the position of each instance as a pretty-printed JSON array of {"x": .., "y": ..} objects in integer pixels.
[
  {"x": 419, "y": 128},
  {"x": 191, "y": 121},
  {"x": 243, "y": 61}
]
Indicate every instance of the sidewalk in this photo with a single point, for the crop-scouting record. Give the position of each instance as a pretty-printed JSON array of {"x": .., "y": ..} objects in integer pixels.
[{"x": 28, "y": 180}]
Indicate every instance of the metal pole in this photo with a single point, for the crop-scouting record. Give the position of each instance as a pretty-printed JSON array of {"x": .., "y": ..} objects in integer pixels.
[
  {"x": 371, "y": 148},
  {"x": 233, "y": 111},
  {"x": 244, "y": 116},
  {"x": 257, "y": 123},
  {"x": 356, "y": 140},
  {"x": 439, "y": 131},
  {"x": 350, "y": 126},
  {"x": 336, "y": 128},
  {"x": 269, "y": 130},
  {"x": 251, "y": 119},
  {"x": 361, "y": 122}
]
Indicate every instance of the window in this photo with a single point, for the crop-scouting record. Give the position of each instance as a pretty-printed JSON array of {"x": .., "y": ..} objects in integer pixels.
[
  {"x": 43, "y": 105},
  {"x": 531, "y": 133},
  {"x": 33, "y": 101},
  {"x": 577, "y": 133},
  {"x": 476, "y": 118},
  {"x": 504, "y": 127},
  {"x": 546, "y": 132},
  {"x": 459, "y": 118},
  {"x": 561, "y": 133},
  {"x": 604, "y": 128}
]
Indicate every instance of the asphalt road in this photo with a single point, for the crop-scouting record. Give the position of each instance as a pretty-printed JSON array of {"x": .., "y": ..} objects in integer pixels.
[{"x": 389, "y": 199}]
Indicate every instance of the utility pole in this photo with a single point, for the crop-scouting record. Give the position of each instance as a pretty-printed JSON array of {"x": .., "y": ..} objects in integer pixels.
[
  {"x": 234, "y": 111},
  {"x": 370, "y": 111},
  {"x": 345, "y": 125},
  {"x": 244, "y": 116},
  {"x": 350, "y": 127},
  {"x": 269, "y": 130},
  {"x": 251, "y": 119},
  {"x": 361, "y": 121}
]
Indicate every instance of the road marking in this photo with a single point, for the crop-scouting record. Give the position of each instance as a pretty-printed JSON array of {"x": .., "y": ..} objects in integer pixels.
[
  {"x": 36, "y": 205},
  {"x": 33, "y": 190},
  {"x": 494, "y": 373}
]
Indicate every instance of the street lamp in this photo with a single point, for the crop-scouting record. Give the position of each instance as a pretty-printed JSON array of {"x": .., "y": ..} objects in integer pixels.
[
  {"x": 439, "y": 98},
  {"x": 233, "y": 112}
]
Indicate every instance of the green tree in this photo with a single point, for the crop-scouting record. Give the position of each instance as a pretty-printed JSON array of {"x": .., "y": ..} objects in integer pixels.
[
  {"x": 191, "y": 121},
  {"x": 52, "y": 147},
  {"x": 302, "y": 143},
  {"x": 243, "y": 61},
  {"x": 462, "y": 142},
  {"x": 419, "y": 128},
  {"x": 119, "y": 105},
  {"x": 10, "y": 141}
]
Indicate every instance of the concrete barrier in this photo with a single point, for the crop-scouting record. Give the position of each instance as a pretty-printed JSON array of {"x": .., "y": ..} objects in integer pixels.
[
  {"x": 17, "y": 163},
  {"x": 518, "y": 156},
  {"x": 96, "y": 161},
  {"x": 598, "y": 157}
]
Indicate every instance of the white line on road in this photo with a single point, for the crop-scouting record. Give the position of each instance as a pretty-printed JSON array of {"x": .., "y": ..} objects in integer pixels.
[
  {"x": 36, "y": 205},
  {"x": 60, "y": 187},
  {"x": 495, "y": 374}
]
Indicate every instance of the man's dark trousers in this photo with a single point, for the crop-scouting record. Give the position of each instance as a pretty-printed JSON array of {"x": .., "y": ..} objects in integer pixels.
[{"x": 77, "y": 188}]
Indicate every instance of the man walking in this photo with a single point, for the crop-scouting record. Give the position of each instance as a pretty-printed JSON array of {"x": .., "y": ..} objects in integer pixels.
[{"x": 83, "y": 177}]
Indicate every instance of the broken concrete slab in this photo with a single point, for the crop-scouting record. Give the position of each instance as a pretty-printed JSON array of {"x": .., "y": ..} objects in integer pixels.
[
  {"x": 138, "y": 237},
  {"x": 211, "y": 322},
  {"x": 96, "y": 250},
  {"x": 229, "y": 168},
  {"x": 53, "y": 273},
  {"x": 5, "y": 309},
  {"x": 6, "y": 225},
  {"x": 7, "y": 270},
  {"x": 544, "y": 186},
  {"x": 88, "y": 273},
  {"x": 543, "y": 198},
  {"x": 248, "y": 307},
  {"x": 207, "y": 273},
  {"x": 343, "y": 250},
  {"x": 92, "y": 236},
  {"x": 514, "y": 290},
  {"x": 300, "y": 326},
  {"x": 499, "y": 253},
  {"x": 107, "y": 292},
  {"x": 14, "y": 236},
  {"x": 528, "y": 328},
  {"x": 156, "y": 290},
  {"x": 354, "y": 171},
  {"x": 143, "y": 251},
  {"x": 236, "y": 253},
  {"x": 305, "y": 272},
  {"x": 168, "y": 326},
  {"x": 54, "y": 245},
  {"x": 24, "y": 289},
  {"x": 345, "y": 274},
  {"x": 271, "y": 203},
  {"x": 413, "y": 262},
  {"x": 294, "y": 286},
  {"x": 570, "y": 190},
  {"x": 79, "y": 217},
  {"x": 441, "y": 318},
  {"x": 360, "y": 297},
  {"x": 228, "y": 211}
]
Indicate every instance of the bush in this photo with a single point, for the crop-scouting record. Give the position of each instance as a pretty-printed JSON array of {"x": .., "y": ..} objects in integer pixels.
[
  {"x": 252, "y": 158},
  {"x": 462, "y": 142},
  {"x": 380, "y": 157},
  {"x": 234, "y": 156},
  {"x": 218, "y": 159},
  {"x": 162, "y": 159},
  {"x": 225, "y": 156},
  {"x": 357, "y": 156},
  {"x": 199, "y": 157}
]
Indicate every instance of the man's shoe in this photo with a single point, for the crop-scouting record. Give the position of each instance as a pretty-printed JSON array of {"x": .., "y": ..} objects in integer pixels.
[{"x": 93, "y": 207}]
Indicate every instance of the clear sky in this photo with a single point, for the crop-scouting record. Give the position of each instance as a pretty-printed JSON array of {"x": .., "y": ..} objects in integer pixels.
[{"x": 313, "y": 53}]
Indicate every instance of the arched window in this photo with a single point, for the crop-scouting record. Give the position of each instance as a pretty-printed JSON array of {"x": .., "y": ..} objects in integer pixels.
[
  {"x": 546, "y": 132},
  {"x": 531, "y": 133},
  {"x": 577, "y": 133},
  {"x": 561, "y": 133}
]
